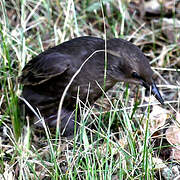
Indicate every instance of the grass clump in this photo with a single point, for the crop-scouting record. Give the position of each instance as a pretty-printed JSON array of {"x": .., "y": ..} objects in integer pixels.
[{"x": 114, "y": 141}]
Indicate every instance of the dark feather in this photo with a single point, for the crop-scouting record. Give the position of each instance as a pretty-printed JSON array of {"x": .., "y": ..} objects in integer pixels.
[{"x": 46, "y": 76}]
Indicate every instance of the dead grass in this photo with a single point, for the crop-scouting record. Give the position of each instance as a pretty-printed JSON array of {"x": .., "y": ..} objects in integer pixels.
[{"x": 116, "y": 140}]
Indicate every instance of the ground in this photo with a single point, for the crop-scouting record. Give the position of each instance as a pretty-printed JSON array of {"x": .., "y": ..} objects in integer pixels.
[{"x": 127, "y": 134}]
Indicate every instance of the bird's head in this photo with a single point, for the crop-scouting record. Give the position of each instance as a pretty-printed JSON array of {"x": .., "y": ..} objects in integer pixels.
[{"x": 130, "y": 65}]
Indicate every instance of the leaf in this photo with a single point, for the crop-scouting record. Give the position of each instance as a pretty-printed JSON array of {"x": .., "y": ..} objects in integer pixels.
[
  {"x": 173, "y": 136},
  {"x": 175, "y": 154},
  {"x": 158, "y": 118},
  {"x": 158, "y": 163}
]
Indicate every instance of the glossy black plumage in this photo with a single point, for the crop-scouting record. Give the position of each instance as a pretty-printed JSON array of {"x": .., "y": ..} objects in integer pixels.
[{"x": 46, "y": 76}]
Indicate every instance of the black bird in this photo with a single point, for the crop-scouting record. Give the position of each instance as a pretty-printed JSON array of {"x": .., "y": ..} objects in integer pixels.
[{"x": 46, "y": 76}]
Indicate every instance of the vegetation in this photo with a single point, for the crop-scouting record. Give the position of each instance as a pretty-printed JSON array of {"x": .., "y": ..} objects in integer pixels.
[{"x": 117, "y": 139}]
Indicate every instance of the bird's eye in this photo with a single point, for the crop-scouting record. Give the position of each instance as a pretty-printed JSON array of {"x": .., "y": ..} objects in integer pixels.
[{"x": 135, "y": 75}]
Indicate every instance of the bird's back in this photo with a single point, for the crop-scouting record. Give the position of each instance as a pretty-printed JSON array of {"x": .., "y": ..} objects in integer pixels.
[{"x": 46, "y": 76}]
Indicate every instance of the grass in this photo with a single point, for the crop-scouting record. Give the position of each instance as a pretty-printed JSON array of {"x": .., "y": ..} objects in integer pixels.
[{"x": 120, "y": 144}]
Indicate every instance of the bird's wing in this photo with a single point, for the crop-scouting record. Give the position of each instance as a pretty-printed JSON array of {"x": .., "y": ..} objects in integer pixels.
[{"x": 44, "y": 67}]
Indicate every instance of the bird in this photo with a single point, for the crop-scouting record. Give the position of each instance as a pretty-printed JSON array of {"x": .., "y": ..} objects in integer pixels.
[{"x": 101, "y": 64}]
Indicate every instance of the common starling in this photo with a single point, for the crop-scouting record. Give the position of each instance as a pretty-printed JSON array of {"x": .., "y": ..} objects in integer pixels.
[{"x": 46, "y": 76}]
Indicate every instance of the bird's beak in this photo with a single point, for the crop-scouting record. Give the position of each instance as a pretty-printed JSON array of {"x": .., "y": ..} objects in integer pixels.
[
  {"x": 157, "y": 94},
  {"x": 155, "y": 91}
]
